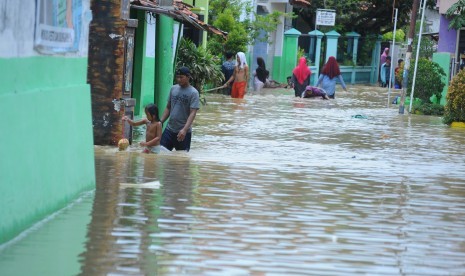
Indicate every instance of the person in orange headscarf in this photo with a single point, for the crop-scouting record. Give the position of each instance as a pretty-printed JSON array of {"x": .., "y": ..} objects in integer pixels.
[
  {"x": 240, "y": 77},
  {"x": 328, "y": 77},
  {"x": 301, "y": 77}
]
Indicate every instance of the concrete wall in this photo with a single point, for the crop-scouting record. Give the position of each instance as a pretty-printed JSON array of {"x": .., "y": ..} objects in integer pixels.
[
  {"x": 447, "y": 38},
  {"x": 444, "y": 5},
  {"x": 443, "y": 59},
  {"x": 46, "y": 150},
  {"x": 144, "y": 63}
]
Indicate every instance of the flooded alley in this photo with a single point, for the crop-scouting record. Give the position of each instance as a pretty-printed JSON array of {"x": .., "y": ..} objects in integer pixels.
[{"x": 273, "y": 185}]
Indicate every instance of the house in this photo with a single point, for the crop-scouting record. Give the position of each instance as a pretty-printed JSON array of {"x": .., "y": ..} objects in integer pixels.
[
  {"x": 47, "y": 152},
  {"x": 132, "y": 47},
  {"x": 450, "y": 40},
  {"x": 272, "y": 53}
]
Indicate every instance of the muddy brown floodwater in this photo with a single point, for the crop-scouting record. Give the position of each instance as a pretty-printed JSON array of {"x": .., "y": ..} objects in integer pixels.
[{"x": 273, "y": 185}]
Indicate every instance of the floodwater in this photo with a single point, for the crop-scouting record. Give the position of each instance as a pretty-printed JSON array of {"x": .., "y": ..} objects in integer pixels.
[{"x": 273, "y": 185}]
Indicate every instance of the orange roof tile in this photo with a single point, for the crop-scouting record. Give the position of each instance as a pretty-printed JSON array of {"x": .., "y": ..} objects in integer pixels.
[{"x": 180, "y": 12}]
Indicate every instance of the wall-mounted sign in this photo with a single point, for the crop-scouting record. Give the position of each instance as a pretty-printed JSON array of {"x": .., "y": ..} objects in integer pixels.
[
  {"x": 325, "y": 17},
  {"x": 58, "y": 26}
]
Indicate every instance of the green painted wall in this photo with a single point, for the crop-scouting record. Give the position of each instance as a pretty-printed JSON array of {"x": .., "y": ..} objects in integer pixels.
[
  {"x": 54, "y": 248},
  {"x": 443, "y": 59},
  {"x": 47, "y": 142},
  {"x": 139, "y": 51},
  {"x": 148, "y": 84},
  {"x": 276, "y": 71},
  {"x": 144, "y": 68},
  {"x": 201, "y": 7}
]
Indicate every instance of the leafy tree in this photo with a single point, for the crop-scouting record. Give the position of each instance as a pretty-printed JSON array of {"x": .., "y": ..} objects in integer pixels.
[
  {"x": 236, "y": 7},
  {"x": 365, "y": 17},
  {"x": 366, "y": 45},
  {"x": 237, "y": 36},
  {"x": 202, "y": 64},
  {"x": 400, "y": 36},
  {"x": 233, "y": 16},
  {"x": 456, "y": 14},
  {"x": 427, "y": 45}
]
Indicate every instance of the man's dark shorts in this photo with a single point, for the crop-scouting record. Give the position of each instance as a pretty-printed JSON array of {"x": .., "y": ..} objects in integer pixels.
[{"x": 169, "y": 140}]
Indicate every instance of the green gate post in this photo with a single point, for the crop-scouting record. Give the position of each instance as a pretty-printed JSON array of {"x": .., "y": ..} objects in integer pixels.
[
  {"x": 331, "y": 44},
  {"x": 355, "y": 36},
  {"x": 289, "y": 60},
  {"x": 319, "y": 35}
]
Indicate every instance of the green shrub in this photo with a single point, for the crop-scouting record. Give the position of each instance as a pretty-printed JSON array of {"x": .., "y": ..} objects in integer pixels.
[
  {"x": 428, "y": 80},
  {"x": 428, "y": 108},
  {"x": 454, "y": 110},
  {"x": 203, "y": 65}
]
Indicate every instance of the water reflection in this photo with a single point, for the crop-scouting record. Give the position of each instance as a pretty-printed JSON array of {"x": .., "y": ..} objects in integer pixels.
[
  {"x": 123, "y": 218},
  {"x": 275, "y": 185}
]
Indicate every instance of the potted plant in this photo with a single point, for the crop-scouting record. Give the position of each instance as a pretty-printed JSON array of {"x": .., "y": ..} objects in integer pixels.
[{"x": 454, "y": 110}]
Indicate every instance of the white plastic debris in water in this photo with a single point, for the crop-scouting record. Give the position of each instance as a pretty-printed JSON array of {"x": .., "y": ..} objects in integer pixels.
[{"x": 148, "y": 185}]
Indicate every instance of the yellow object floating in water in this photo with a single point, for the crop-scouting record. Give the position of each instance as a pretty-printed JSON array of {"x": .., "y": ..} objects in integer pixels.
[
  {"x": 458, "y": 124},
  {"x": 148, "y": 185},
  {"x": 123, "y": 144}
]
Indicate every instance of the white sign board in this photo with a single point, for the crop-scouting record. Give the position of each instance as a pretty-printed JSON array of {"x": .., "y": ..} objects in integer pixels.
[
  {"x": 325, "y": 17},
  {"x": 58, "y": 26}
]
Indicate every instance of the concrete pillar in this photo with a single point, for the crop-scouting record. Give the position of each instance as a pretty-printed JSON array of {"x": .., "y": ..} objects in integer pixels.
[
  {"x": 355, "y": 37},
  {"x": 315, "y": 34},
  {"x": 354, "y": 40},
  {"x": 289, "y": 55},
  {"x": 331, "y": 44},
  {"x": 375, "y": 61}
]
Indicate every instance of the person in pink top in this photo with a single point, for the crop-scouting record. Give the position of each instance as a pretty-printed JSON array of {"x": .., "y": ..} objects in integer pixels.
[{"x": 382, "y": 60}]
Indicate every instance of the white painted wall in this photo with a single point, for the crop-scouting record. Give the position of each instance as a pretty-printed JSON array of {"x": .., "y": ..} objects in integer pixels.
[
  {"x": 150, "y": 38},
  {"x": 17, "y": 28},
  {"x": 17, "y": 24},
  {"x": 432, "y": 19},
  {"x": 444, "y": 5}
]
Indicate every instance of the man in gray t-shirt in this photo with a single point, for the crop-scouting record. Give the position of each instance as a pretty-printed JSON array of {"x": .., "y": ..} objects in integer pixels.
[{"x": 181, "y": 109}]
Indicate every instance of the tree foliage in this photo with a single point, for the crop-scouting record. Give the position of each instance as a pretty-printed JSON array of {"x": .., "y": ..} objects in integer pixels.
[
  {"x": 235, "y": 17},
  {"x": 202, "y": 64},
  {"x": 364, "y": 17},
  {"x": 456, "y": 14},
  {"x": 400, "y": 36},
  {"x": 428, "y": 80},
  {"x": 237, "y": 34},
  {"x": 427, "y": 45}
]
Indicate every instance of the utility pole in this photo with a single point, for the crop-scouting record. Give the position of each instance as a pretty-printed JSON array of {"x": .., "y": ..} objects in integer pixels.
[{"x": 411, "y": 35}]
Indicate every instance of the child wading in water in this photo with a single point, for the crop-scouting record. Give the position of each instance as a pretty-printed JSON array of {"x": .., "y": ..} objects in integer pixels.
[{"x": 153, "y": 131}]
